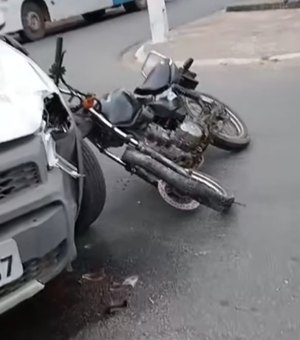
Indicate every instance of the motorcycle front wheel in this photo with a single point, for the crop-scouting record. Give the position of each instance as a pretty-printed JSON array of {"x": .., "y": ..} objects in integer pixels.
[{"x": 233, "y": 136}]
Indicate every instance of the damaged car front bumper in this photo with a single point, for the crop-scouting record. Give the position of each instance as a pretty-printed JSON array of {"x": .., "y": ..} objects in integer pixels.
[{"x": 38, "y": 208}]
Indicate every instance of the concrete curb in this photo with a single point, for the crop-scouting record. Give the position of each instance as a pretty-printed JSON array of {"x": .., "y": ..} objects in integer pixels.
[
  {"x": 142, "y": 52},
  {"x": 263, "y": 6},
  {"x": 244, "y": 61}
]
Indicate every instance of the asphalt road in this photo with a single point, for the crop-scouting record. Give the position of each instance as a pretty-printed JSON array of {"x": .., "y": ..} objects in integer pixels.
[{"x": 202, "y": 275}]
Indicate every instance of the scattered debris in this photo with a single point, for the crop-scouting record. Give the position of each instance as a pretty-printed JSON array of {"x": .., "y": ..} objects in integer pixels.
[
  {"x": 69, "y": 268},
  {"x": 116, "y": 294},
  {"x": 88, "y": 246},
  {"x": 202, "y": 253},
  {"x": 131, "y": 281},
  {"x": 119, "y": 294},
  {"x": 246, "y": 309},
  {"x": 113, "y": 308},
  {"x": 96, "y": 277},
  {"x": 151, "y": 300}
]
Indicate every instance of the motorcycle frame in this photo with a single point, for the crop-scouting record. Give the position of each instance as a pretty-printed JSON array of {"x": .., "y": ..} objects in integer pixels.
[{"x": 130, "y": 141}]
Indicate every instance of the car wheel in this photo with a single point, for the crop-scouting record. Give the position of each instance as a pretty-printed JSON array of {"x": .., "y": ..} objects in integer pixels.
[
  {"x": 94, "y": 16},
  {"x": 136, "y": 5},
  {"x": 33, "y": 20},
  {"x": 94, "y": 191}
]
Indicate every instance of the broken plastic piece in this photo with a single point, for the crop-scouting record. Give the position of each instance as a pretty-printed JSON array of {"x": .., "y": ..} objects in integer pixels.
[
  {"x": 96, "y": 277},
  {"x": 131, "y": 281}
]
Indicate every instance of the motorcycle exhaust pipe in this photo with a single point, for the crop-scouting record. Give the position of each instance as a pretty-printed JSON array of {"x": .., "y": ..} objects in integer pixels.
[{"x": 196, "y": 189}]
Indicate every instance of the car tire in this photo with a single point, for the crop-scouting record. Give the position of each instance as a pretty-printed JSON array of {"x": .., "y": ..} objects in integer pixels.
[
  {"x": 136, "y": 5},
  {"x": 94, "y": 191},
  {"x": 94, "y": 17},
  {"x": 33, "y": 20}
]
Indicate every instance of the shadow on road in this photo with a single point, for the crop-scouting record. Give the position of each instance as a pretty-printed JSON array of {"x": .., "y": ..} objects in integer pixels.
[{"x": 67, "y": 305}]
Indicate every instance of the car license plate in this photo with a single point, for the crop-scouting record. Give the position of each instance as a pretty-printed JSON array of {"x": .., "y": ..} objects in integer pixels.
[{"x": 10, "y": 262}]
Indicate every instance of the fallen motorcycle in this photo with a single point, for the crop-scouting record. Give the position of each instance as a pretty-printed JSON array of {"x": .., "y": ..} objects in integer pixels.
[{"x": 166, "y": 126}]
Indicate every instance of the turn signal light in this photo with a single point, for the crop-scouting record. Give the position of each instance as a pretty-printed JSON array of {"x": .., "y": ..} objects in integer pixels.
[{"x": 89, "y": 103}]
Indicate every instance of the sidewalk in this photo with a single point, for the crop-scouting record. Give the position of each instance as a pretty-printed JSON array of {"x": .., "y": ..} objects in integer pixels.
[{"x": 234, "y": 38}]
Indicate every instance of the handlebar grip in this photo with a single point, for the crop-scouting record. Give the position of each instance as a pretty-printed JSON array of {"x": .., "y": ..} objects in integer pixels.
[
  {"x": 188, "y": 63},
  {"x": 59, "y": 50}
]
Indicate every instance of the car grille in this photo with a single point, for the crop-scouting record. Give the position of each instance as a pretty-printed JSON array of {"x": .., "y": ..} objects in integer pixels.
[
  {"x": 36, "y": 268},
  {"x": 17, "y": 179}
]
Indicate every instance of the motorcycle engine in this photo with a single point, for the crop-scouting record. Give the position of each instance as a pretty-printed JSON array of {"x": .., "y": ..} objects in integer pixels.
[
  {"x": 184, "y": 145},
  {"x": 189, "y": 135}
]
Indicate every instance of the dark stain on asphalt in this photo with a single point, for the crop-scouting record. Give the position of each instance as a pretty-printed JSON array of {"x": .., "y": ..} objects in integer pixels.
[
  {"x": 68, "y": 304},
  {"x": 224, "y": 303}
]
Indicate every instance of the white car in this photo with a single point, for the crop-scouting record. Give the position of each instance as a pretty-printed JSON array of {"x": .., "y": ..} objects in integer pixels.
[{"x": 44, "y": 199}]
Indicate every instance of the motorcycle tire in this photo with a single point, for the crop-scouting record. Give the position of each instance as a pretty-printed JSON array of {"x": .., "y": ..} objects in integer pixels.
[
  {"x": 136, "y": 5},
  {"x": 236, "y": 137},
  {"x": 199, "y": 186},
  {"x": 94, "y": 191},
  {"x": 94, "y": 17}
]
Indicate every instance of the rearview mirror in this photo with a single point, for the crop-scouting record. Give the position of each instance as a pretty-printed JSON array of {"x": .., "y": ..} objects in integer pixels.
[{"x": 153, "y": 59}]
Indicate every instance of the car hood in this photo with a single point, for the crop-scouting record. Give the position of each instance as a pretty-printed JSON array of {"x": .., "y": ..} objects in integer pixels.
[{"x": 23, "y": 87}]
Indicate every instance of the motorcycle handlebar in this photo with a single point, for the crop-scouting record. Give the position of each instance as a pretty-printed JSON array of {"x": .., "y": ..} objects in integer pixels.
[
  {"x": 188, "y": 63},
  {"x": 59, "y": 50}
]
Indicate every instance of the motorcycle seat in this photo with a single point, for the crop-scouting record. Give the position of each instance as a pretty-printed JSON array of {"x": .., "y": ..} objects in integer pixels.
[
  {"x": 157, "y": 81},
  {"x": 120, "y": 107}
]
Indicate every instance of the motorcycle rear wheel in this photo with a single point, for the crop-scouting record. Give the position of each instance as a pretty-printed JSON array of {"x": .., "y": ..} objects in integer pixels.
[{"x": 234, "y": 134}]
